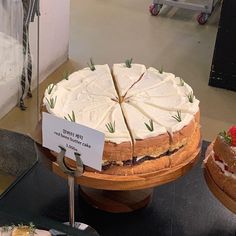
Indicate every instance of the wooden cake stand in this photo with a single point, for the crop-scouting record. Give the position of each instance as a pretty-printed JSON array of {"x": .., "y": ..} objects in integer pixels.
[
  {"x": 121, "y": 193},
  {"x": 224, "y": 198}
]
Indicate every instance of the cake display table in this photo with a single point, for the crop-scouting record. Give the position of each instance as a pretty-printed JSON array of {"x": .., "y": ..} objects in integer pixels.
[
  {"x": 223, "y": 197},
  {"x": 183, "y": 207}
]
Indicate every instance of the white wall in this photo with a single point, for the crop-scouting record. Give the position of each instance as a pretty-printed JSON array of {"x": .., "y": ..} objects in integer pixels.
[
  {"x": 54, "y": 36},
  {"x": 54, "y": 44}
]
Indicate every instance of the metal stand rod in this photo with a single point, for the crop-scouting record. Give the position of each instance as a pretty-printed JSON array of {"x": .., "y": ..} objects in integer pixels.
[
  {"x": 72, "y": 174},
  {"x": 71, "y": 184}
]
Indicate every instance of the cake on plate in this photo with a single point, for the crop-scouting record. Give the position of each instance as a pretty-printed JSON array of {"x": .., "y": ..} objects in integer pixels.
[
  {"x": 22, "y": 230},
  {"x": 150, "y": 118},
  {"x": 221, "y": 162}
]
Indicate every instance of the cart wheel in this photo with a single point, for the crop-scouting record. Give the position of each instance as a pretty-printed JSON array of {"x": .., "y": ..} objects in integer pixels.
[
  {"x": 202, "y": 18},
  {"x": 154, "y": 9}
]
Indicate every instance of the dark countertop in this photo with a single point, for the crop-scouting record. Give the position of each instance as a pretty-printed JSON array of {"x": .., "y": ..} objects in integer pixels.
[{"x": 184, "y": 207}]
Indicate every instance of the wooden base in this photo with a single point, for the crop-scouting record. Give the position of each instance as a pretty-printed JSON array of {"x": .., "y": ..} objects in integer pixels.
[
  {"x": 132, "y": 182},
  {"x": 117, "y": 201},
  {"x": 225, "y": 199}
]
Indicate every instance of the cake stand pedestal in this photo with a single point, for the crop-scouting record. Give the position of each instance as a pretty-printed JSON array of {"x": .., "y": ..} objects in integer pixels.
[
  {"x": 224, "y": 198},
  {"x": 116, "y": 201}
]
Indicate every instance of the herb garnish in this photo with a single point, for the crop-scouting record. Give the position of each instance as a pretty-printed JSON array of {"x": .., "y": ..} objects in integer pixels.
[
  {"x": 52, "y": 102},
  {"x": 91, "y": 65},
  {"x": 128, "y": 62},
  {"x": 111, "y": 127},
  {"x": 190, "y": 97},
  {"x": 71, "y": 118},
  {"x": 226, "y": 137},
  {"x": 150, "y": 126},
  {"x": 181, "y": 82},
  {"x": 50, "y": 88},
  {"x": 161, "y": 70},
  {"x": 66, "y": 75},
  {"x": 178, "y": 116}
]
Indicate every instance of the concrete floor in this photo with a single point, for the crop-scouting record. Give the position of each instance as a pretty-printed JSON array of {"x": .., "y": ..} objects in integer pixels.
[{"x": 112, "y": 31}]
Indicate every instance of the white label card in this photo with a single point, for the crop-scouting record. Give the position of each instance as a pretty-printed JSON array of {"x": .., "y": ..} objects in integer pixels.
[{"x": 74, "y": 138}]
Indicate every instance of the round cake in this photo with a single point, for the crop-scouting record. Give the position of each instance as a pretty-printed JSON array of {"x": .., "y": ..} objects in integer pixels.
[
  {"x": 221, "y": 162},
  {"x": 150, "y": 118}
]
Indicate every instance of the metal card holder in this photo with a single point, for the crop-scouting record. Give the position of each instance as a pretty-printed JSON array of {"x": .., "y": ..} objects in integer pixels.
[{"x": 71, "y": 175}]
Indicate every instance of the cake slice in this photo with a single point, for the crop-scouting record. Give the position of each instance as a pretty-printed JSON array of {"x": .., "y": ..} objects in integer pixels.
[
  {"x": 150, "y": 139},
  {"x": 125, "y": 77},
  {"x": 179, "y": 125},
  {"x": 152, "y": 78},
  {"x": 221, "y": 161},
  {"x": 118, "y": 145}
]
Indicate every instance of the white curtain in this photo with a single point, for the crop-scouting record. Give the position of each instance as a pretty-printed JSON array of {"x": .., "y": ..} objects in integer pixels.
[{"x": 11, "y": 32}]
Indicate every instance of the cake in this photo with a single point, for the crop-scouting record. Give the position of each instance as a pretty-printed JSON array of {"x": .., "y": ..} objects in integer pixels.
[
  {"x": 221, "y": 162},
  {"x": 22, "y": 230},
  {"x": 150, "y": 118}
]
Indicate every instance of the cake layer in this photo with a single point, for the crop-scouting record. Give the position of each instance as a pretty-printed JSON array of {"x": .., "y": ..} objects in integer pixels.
[
  {"x": 163, "y": 162},
  {"x": 225, "y": 153},
  {"x": 226, "y": 183}
]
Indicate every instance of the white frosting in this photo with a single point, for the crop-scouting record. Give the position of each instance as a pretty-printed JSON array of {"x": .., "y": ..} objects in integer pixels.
[
  {"x": 163, "y": 117},
  {"x": 125, "y": 77},
  {"x": 155, "y": 96},
  {"x": 136, "y": 121}
]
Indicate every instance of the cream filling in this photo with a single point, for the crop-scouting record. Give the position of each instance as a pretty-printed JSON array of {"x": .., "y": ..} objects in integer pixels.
[{"x": 222, "y": 165}]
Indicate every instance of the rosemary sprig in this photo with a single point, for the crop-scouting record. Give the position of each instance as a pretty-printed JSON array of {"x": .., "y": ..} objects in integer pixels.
[
  {"x": 181, "y": 82},
  {"x": 111, "y": 127},
  {"x": 190, "y": 97},
  {"x": 52, "y": 102},
  {"x": 178, "y": 116},
  {"x": 66, "y": 75},
  {"x": 226, "y": 137},
  {"x": 128, "y": 62},
  {"x": 71, "y": 118},
  {"x": 7, "y": 228},
  {"x": 161, "y": 70},
  {"x": 50, "y": 88},
  {"x": 91, "y": 65},
  {"x": 32, "y": 228},
  {"x": 150, "y": 126}
]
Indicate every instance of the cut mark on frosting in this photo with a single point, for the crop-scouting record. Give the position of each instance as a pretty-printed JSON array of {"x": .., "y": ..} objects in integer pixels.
[{"x": 124, "y": 97}]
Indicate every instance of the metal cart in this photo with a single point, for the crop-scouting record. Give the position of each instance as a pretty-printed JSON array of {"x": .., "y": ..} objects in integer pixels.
[{"x": 205, "y": 9}]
